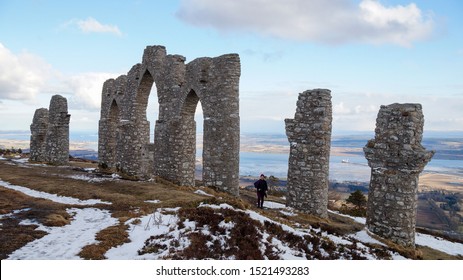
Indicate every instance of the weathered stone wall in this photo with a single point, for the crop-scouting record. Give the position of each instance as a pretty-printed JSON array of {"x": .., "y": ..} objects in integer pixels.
[
  {"x": 396, "y": 158},
  {"x": 309, "y": 134},
  {"x": 39, "y": 128},
  {"x": 50, "y": 133},
  {"x": 124, "y": 130},
  {"x": 58, "y": 131}
]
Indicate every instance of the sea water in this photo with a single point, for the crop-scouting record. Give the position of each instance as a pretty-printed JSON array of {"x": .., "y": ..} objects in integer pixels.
[{"x": 354, "y": 168}]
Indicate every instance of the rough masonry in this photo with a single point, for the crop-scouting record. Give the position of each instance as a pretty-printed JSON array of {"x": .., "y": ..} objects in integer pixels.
[
  {"x": 396, "y": 158},
  {"x": 39, "y": 128},
  {"x": 50, "y": 133},
  {"x": 309, "y": 134},
  {"x": 124, "y": 144}
]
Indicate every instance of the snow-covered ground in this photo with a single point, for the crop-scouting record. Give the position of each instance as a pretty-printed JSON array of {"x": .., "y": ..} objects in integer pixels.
[
  {"x": 52, "y": 197},
  {"x": 67, "y": 241},
  {"x": 451, "y": 248}
]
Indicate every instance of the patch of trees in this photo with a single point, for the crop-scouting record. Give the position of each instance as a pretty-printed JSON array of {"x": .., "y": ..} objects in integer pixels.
[
  {"x": 359, "y": 202},
  {"x": 11, "y": 151}
]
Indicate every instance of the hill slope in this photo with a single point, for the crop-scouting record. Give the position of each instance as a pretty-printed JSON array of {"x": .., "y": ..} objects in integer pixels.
[{"x": 76, "y": 213}]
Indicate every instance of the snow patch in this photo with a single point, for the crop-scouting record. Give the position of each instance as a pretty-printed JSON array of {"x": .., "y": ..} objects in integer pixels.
[
  {"x": 65, "y": 243},
  {"x": 14, "y": 213},
  {"x": 286, "y": 213},
  {"x": 141, "y": 229},
  {"x": 451, "y": 248},
  {"x": 21, "y": 160},
  {"x": 87, "y": 178},
  {"x": 52, "y": 197},
  {"x": 214, "y": 206},
  {"x": 202, "y": 193},
  {"x": 360, "y": 220},
  {"x": 364, "y": 237},
  {"x": 274, "y": 205}
]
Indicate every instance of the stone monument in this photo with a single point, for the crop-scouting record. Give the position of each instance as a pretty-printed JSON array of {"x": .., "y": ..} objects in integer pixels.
[
  {"x": 396, "y": 158},
  {"x": 50, "y": 133},
  {"x": 309, "y": 134},
  {"x": 124, "y": 145}
]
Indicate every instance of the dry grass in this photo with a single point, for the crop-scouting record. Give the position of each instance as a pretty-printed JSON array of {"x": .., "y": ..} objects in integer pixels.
[
  {"x": 14, "y": 236},
  {"x": 427, "y": 253},
  {"x": 411, "y": 253},
  {"x": 242, "y": 242},
  {"x": 127, "y": 198},
  {"x": 108, "y": 238},
  {"x": 128, "y": 201}
]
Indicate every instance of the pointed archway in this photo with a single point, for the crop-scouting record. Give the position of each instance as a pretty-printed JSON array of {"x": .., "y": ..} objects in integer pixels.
[
  {"x": 185, "y": 143},
  {"x": 216, "y": 85},
  {"x": 144, "y": 123},
  {"x": 113, "y": 123},
  {"x": 108, "y": 138}
]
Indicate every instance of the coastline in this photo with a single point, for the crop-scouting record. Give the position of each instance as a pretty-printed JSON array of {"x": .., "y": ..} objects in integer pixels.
[{"x": 260, "y": 158}]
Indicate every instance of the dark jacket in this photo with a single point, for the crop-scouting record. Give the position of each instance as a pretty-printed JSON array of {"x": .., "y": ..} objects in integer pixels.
[{"x": 261, "y": 186}]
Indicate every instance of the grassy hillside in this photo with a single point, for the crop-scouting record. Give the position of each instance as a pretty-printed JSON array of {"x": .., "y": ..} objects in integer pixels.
[{"x": 199, "y": 223}]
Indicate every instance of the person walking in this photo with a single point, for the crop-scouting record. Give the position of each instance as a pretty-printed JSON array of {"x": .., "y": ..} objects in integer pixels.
[{"x": 261, "y": 187}]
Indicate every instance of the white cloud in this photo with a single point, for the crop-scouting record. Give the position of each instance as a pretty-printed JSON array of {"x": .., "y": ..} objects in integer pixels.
[
  {"x": 341, "y": 109},
  {"x": 401, "y": 25},
  {"x": 91, "y": 25},
  {"x": 334, "y": 21},
  {"x": 368, "y": 108},
  {"x": 22, "y": 76},
  {"x": 86, "y": 89}
]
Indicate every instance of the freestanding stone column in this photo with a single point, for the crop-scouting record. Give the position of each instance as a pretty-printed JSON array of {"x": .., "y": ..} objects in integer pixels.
[
  {"x": 309, "y": 134},
  {"x": 396, "y": 158},
  {"x": 39, "y": 128},
  {"x": 57, "y": 148}
]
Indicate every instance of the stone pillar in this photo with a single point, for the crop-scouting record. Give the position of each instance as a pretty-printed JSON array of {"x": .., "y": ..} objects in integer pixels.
[
  {"x": 57, "y": 147},
  {"x": 221, "y": 154},
  {"x": 39, "y": 128},
  {"x": 185, "y": 143},
  {"x": 221, "y": 141},
  {"x": 396, "y": 158},
  {"x": 309, "y": 134}
]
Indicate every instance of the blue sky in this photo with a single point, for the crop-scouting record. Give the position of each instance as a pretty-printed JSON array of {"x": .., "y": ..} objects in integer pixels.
[{"x": 368, "y": 53}]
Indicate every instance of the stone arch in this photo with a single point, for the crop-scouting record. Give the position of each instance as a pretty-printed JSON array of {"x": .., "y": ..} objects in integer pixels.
[
  {"x": 190, "y": 104},
  {"x": 212, "y": 81},
  {"x": 143, "y": 95},
  {"x": 185, "y": 134},
  {"x": 142, "y": 145}
]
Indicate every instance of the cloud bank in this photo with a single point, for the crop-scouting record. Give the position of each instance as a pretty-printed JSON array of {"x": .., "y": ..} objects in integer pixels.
[
  {"x": 86, "y": 89},
  {"x": 325, "y": 21},
  {"x": 22, "y": 75}
]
